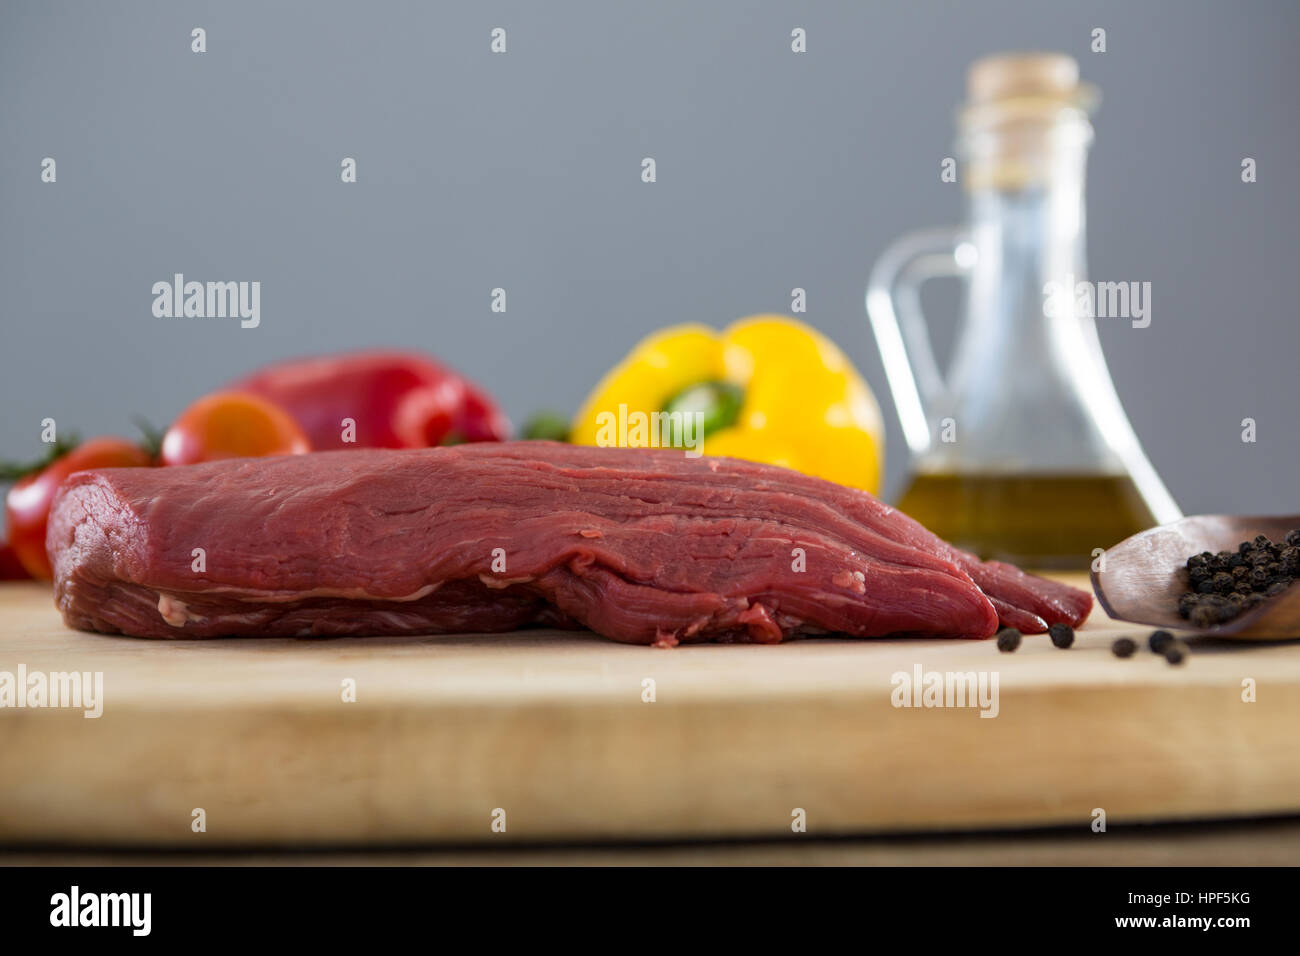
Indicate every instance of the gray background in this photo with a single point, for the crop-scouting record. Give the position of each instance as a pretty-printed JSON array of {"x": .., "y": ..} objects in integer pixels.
[{"x": 775, "y": 170}]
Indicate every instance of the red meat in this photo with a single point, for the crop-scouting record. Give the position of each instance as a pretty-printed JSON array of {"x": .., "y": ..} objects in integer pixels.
[{"x": 639, "y": 545}]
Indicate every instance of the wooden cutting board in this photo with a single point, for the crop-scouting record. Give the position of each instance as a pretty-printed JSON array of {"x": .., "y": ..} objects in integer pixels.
[{"x": 549, "y": 732}]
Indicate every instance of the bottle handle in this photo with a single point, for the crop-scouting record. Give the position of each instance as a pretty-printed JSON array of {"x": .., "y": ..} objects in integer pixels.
[{"x": 894, "y": 308}]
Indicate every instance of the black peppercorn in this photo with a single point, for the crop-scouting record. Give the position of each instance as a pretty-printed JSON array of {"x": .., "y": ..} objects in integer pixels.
[
  {"x": 1123, "y": 647},
  {"x": 1225, "y": 584},
  {"x": 1159, "y": 640},
  {"x": 1062, "y": 635},
  {"x": 1008, "y": 640},
  {"x": 1175, "y": 652}
]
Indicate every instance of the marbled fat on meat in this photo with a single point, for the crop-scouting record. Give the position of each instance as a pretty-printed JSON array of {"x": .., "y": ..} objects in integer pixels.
[{"x": 643, "y": 546}]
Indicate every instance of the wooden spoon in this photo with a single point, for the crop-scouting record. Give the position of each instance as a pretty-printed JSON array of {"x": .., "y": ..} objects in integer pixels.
[{"x": 1142, "y": 580}]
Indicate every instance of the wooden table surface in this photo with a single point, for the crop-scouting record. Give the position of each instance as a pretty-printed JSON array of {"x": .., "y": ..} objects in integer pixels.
[{"x": 551, "y": 736}]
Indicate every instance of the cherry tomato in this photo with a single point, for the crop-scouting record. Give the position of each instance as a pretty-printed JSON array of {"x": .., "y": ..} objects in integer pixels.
[
  {"x": 231, "y": 425},
  {"x": 27, "y": 506}
]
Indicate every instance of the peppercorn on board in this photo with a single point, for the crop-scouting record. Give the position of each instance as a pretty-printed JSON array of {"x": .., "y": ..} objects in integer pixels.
[{"x": 563, "y": 736}]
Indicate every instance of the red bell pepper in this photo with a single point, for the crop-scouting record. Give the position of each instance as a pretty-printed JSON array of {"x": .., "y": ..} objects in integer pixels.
[
  {"x": 11, "y": 567},
  {"x": 395, "y": 399}
]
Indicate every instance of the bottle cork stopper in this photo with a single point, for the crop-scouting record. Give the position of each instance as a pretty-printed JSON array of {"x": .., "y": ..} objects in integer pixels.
[{"x": 1013, "y": 75}]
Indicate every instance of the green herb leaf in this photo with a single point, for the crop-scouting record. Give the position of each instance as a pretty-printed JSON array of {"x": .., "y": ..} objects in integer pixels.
[
  {"x": 11, "y": 471},
  {"x": 546, "y": 426},
  {"x": 152, "y": 437}
]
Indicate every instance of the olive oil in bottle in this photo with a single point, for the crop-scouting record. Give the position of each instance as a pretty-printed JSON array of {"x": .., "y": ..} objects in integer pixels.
[
  {"x": 1020, "y": 446},
  {"x": 1047, "y": 521}
]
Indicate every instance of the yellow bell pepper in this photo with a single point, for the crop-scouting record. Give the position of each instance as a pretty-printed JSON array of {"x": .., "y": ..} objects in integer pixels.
[{"x": 769, "y": 389}]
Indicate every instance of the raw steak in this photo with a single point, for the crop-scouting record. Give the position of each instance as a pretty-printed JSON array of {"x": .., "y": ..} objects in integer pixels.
[{"x": 640, "y": 545}]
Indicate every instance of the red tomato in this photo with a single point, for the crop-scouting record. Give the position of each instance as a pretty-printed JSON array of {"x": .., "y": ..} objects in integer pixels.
[
  {"x": 27, "y": 506},
  {"x": 231, "y": 425}
]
